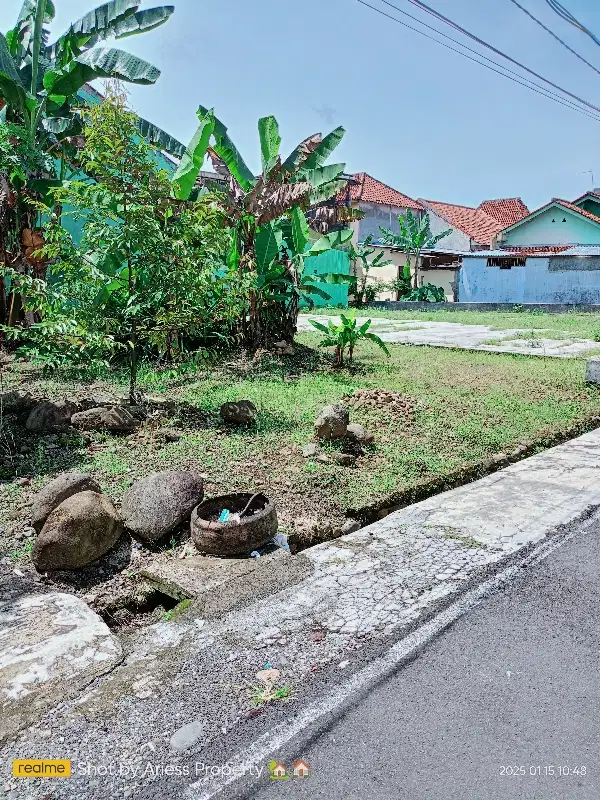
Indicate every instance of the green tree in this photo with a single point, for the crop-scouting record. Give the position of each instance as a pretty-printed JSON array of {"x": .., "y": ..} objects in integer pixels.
[
  {"x": 157, "y": 264},
  {"x": 271, "y": 237},
  {"x": 361, "y": 255},
  {"x": 414, "y": 237}
]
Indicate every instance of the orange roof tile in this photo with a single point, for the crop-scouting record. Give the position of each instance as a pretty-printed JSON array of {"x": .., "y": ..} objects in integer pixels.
[
  {"x": 506, "y": 210},
  {"x": 477, "y": 224},
  {"x": 370, "y": 190},
  {"x": 577, "y": 209}
]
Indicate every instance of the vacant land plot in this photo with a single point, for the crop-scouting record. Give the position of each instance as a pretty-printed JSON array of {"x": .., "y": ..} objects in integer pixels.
[{"x": 583, "y": 326}]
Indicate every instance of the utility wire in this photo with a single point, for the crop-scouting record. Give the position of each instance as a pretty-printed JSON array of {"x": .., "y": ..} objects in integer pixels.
[
  {"x": 568, "y": 17},
  {"x": 456, "y": 26},
  {"x": 540, "y": 90},
  {"x": 554, "y": 36}
]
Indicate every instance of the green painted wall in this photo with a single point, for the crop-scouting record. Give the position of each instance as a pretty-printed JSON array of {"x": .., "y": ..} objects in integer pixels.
[
  {"x": 335, "y": 261},
  {"x": 555, "y": 226}
]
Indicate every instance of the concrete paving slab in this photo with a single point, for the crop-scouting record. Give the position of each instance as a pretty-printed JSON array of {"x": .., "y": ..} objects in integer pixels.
[{"x": 466, "y": 337}]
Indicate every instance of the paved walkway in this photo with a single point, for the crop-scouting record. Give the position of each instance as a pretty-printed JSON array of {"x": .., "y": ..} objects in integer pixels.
[
  {"x": 467, "y": 337},
  {"x": 187, "y": 685},
  {"x": 505, "y": 704}
]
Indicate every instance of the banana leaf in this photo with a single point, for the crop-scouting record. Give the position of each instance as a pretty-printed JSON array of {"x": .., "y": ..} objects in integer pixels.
[
  {"x": 322, "y": 152},
  {"x": 193, "y": 158},
  {"x": 228, "y": 153},
  {"x": 270, "y": 140},
  {"x": 300, "y": 230},
  {"x": 11, "y": 88},
  {"x": 266, "y": 245},
  {"x": 160, "y": 138},
  {"x": 102, "y": 62}
]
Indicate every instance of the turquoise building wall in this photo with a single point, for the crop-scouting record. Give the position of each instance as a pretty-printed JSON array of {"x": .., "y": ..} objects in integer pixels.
[{"x": 554, "y": 226}]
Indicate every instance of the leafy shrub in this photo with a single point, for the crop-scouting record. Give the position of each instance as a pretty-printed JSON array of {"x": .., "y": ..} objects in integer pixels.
[
  {"x": 428, "y": 293},
  {"x": 346, "y": 335}
]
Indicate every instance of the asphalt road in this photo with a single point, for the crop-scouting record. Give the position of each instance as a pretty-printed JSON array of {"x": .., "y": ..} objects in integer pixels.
[{"x": 504, "y": 705}]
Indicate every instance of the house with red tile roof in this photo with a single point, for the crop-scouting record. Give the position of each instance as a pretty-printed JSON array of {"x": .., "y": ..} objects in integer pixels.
[
  {"x": 552, "y": 255},
  {"x": 473, "y": 228}
]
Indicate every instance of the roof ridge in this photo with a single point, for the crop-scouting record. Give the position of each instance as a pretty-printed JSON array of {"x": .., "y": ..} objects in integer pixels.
[
  {"x": 444, "y": 203},
  {"x": 387, "y": 185}
]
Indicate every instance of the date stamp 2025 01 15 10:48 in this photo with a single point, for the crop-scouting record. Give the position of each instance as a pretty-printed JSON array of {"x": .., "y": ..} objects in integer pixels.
[{"x": 543, "y": 770}]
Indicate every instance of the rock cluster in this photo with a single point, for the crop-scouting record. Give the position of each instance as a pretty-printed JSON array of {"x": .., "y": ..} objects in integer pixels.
[
  {"x": 76, "y": 524},
  {"x": 241, "y": 412},
  {"x": 333, "y": 424}
]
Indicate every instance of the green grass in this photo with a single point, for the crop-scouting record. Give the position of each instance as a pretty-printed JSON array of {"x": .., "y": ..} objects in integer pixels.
[
  {"x": 579, "y": 325},
  {"x": 471, "y": 406}
]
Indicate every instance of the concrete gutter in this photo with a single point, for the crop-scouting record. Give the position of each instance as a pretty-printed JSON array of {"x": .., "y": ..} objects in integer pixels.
[
  {"x": 548, "y": 308},
  {"x": 185, "y": 686}
]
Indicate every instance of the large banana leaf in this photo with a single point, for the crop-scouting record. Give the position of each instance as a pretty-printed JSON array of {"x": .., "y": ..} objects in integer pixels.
[
  {"x": 326, "y": 192},
  {"x": 299, "y": 155},
  {"x": 12, "y": 90},
  {"x": 322, "y": 152},
  {"x": 300, "y": 230},
  {"x": 102, "y": 62},
  {"x": 266, "y": 246},
  {"x": 228, "y": 153},
  {"x": 270, "y": 140},
  {"x": 160, "y": 138},
  {"x": 321, "y": 175},
  {"x": 119, "y": 26},
  {"x": 283, "y": 199},
  {"x": 193, "y": 158},
  {"x": 330, "y": 241},
  {"x": 105, "y": 16}
]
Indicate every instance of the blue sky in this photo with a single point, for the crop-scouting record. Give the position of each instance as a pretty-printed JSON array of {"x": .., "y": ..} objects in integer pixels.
[{"x": 418, "y": 116}]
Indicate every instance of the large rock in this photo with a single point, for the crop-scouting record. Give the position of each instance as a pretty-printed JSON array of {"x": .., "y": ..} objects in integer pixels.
[
  {"x": 356, "y": 433},
  {"x": 592, "y": 370},
  {"x": 50, "y": 416},
  {"x": 16, "y": 401},
  {"x": 78, "y": 532},
  {"x": 156, "y": 505},
  {"x": 242, "y": 412},
  {"x": 52, "y": 495},
  {"x": 51, "y": 646},
  {"x": 332, "y": 422},
  {"x": 115, "y": 419}
]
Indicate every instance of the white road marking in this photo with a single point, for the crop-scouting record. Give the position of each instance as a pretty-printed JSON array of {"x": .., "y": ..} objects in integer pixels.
[{"x": 259, "y": 752}]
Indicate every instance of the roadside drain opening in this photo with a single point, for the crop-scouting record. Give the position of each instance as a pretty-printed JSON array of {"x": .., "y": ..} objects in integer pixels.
[{"x": 143, "y": 609}]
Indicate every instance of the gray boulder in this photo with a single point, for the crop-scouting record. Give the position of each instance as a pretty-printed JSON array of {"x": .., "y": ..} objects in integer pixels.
[
  {"x": 156, "y": 505},
  {"x": 78, "y": 532},
  {"x": 15, "y": 402},
  {"x": 332, "y": 422},
  {"x": 50, "y": 416},
  {"x": 52, "y": 495},
  {"x": 242, "y": 412},
  {"x": 357, "y": 433},
  {"x": 311, "y": 450},
  {"x": 114, "y": 419}
]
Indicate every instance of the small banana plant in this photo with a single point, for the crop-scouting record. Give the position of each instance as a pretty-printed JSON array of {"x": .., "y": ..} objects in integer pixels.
[{"x": 345, "y": 336}]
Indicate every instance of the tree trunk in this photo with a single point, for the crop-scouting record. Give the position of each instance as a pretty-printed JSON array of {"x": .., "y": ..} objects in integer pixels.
[
  {"x": 416, "y": 273},
  {"x": 133, "y": 364}
]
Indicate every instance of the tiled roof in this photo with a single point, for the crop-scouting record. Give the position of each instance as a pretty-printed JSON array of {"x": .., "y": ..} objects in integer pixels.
[
  {"x": 507, "y": 210},
  {"x": 370, "y": 190},
  {"x": 477, "y": 224},
  {"x": 580, "y": 251},
  {"x": 576, "y": 209},
  {"x": 591, "y": 193}
]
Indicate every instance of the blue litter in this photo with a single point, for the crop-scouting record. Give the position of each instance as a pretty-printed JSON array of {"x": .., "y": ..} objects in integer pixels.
[
  {"x": 281, "y": 541},
  {"x": 255, "y": 554},
  {"x": 224, "y": 515}
]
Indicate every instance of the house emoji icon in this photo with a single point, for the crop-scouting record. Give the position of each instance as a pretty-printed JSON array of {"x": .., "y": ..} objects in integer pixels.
[
  {"x": 301, "y": 769},
  {"x": 278, "y": 771}
]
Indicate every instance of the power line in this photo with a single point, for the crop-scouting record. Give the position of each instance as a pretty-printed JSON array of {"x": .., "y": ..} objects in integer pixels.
[
  {"x": 558, "y": 39},
  {"x": 495, "y": 50},
  {"x": 542, "y": 91},
  {"x": 568, "y": 17}
]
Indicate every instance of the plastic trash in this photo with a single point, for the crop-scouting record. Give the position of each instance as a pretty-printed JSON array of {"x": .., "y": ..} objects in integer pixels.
[
  {"x": 224, "y": 515},
  {"x": 255, "y": 554},
  {"x": 281, "y": 541}
]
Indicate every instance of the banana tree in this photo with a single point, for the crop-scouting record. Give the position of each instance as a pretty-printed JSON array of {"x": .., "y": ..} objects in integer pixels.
[
  {"x": 271, "y": 238},
  {"x": 39, "y": 95},
  {"x": 414, "y": 237},
  {"x": 345, "y": 335},
  {"x": 363, "y": 254}
]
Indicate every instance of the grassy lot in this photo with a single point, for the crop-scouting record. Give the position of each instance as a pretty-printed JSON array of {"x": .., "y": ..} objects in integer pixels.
[
  {"x": 583, "y": 326},
  {"x": 470, "y": 407}
]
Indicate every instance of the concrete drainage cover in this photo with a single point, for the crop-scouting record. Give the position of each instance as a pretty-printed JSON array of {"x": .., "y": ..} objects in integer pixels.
[{"x": 51, "y": 645}]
